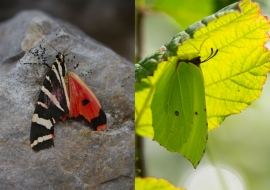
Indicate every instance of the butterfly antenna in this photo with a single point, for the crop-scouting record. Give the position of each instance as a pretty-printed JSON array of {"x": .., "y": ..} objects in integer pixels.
[
  {"x": 45, "y": 40},
  {"x": 211, "y": 55}
]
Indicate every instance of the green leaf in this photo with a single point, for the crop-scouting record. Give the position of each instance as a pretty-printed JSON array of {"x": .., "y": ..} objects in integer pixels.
[
  {"x": 233, "y": 78},
  {"x": 151, "y": 183},
  {"x": 148, "y": 65},
  {"x": 185, "y": 12},
  {"x": 143, "y": 99}
]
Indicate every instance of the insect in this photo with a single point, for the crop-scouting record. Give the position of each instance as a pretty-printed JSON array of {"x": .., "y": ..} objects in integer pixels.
[
  {"x": 179, "y": 108},
  {"x": 63, "y": 94}
]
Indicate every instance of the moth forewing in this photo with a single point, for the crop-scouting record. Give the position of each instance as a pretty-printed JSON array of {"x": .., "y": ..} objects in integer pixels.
[{"x": 53, "y": 103}]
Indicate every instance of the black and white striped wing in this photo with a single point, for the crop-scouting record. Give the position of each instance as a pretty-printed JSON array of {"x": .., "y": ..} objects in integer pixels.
[{"x": 52, "y": 104}]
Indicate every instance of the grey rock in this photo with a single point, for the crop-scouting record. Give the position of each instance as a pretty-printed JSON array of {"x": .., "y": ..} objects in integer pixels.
[{"x": 82, "y": 158}]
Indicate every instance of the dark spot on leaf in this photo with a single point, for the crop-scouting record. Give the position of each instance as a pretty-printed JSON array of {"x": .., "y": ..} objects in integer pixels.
[
  {"x": 85, "y": 102},
  {"x": 196, "y": 113},
  {"x": 176, "y": 113}
]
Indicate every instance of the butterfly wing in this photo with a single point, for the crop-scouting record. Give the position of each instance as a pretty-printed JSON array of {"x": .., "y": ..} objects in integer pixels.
[
  {"x": 84, "y": 102},
  {"x": 178, "y": 110},
  {"x": 52, "y": 104}
]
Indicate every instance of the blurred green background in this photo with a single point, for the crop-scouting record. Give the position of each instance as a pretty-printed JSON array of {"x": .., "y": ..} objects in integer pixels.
[{"x": 238, "y": 152}]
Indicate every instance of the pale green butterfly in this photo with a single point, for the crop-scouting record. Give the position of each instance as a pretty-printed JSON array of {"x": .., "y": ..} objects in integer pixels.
[{"x": 178, "y": 107}]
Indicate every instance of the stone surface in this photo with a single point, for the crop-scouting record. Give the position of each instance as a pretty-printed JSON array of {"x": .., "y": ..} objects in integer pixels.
[{"x": 82, "y": 158}]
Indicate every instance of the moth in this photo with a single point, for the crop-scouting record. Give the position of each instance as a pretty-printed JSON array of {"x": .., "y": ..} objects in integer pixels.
[{"x": 63, "y": 94}]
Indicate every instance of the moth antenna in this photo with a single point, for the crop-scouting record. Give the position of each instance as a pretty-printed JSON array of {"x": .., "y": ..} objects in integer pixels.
[
  {"x": 45, "y": 40},
  {"x": 66, "y": 49}
]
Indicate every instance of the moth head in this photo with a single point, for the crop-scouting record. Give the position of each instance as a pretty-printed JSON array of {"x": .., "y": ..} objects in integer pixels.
[{"x": 60, "y": 57}]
